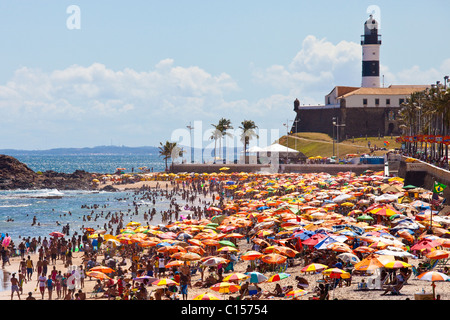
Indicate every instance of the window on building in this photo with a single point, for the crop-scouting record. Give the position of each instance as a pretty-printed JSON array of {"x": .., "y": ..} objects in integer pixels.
[
  {"x": 388, "y": 101},
  {"x": 400, "y": 101},
  {"x": 377, "y": 102},
  {"x": 365, "y": 102}
]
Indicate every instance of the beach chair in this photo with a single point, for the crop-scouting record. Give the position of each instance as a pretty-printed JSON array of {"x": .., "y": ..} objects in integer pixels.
[{"x": 433, "y": 265}]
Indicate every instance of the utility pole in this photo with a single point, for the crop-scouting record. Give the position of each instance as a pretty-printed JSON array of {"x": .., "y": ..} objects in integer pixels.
[{"x": 190, "y": 127}]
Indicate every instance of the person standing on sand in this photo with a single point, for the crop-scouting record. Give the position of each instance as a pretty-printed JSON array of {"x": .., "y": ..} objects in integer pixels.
[
  {"x": 42, "y": 282},
  {"x": 14, "y": 286},
  {"x": 30, "y": 268}
]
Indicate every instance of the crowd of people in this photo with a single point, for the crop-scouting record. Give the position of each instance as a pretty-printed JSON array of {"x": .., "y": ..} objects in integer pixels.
[{"x": 253, "y": 213}]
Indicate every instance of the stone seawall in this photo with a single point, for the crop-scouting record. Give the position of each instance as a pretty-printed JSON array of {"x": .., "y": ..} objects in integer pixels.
[
  {"x": 422, "y": 174},
  {"x": 290, "y": 168}
]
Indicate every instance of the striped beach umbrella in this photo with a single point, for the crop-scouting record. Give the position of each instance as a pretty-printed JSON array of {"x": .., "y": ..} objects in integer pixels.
[
  {"x": 296, "y": 293},
  {"x": 397, "y": 265},
  {"x": 165, "y": 282},
  {"x": 206, "y": 296},
  {"x": 278, "y": 277},
  {"x": 314, "y": 267},
  {"x": 225, "y": 287}
]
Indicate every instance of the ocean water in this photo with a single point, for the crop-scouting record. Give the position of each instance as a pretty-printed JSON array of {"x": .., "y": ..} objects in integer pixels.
[
  {"x": 92, "y": 163},
  {"x": 53, "y": 209},
  {"x": 18, "y": 207}
]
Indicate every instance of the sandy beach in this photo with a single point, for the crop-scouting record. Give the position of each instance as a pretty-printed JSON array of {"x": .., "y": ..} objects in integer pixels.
[{"x": 412, "y": 287}]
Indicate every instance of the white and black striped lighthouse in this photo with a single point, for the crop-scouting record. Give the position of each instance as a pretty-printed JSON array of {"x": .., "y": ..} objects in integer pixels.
[{"x": 371, "y": 42}]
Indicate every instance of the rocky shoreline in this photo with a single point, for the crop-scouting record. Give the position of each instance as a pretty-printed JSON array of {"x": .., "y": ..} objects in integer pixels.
[{"x": 17, "y": 175}]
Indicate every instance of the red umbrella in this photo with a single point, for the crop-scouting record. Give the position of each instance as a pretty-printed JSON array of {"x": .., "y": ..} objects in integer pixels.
[
  {"x": 57, "y": 234},
  {"x": 425, "y": 244},
  {"x": 314, "y": 239}
]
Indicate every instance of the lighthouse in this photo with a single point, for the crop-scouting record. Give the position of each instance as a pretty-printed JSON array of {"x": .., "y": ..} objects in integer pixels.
[{"x": 371, "y": 42}]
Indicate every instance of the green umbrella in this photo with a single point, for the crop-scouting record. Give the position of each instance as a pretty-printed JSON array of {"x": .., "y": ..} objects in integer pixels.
[
  {"x": 409, "y": 186},
  {"x": 364, "y": 217},
  {"x": 227, "y": 243}
]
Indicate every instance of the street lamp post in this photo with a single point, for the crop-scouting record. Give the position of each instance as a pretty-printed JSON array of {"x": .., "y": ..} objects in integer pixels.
[
  {"x": 287, "y": 138},
  {"x": 190, "y": 127},
  {"x": 337, "y": 125}
]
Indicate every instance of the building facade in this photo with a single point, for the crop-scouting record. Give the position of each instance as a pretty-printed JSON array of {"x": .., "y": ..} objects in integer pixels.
[{"x": 358, "y": 111}]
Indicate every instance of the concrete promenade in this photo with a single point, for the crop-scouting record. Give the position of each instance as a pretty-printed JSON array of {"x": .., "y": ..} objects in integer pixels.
[{"x": 281, "y": 168}]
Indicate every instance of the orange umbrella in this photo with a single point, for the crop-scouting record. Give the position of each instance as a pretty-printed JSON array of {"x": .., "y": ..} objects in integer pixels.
[
  {"x": 102, "y": 269},
  {"x": 196, "y": 249},
  {"x": 251, "y": 255},
  {"x": 234, "y": 235},
  {"x": 369, "y": 263},
  {"x": 225, "y": 287},
  {"x": 175, "y": 263},
  {"x": 286, "y": 251},
  {"x": 438, "y": 254},
  {"x": 97, "y": 275},
  {"x": 274, "y": 258},
  {"x": 196, "y": 242},
  {"x": 190, "y": 256},
  {"x": 364, "y": 249}
]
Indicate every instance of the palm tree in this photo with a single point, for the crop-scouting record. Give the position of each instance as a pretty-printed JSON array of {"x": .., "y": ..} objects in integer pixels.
[
  {"x": 248, "y": 132},
  {"x": 221, "y": 131},
  {"x": 169, "y": 150},
  {"x": 216, "y": 135}
]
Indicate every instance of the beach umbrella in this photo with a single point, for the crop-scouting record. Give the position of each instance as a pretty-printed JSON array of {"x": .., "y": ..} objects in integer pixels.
[
  {"x": 190, "y": 256},
  {"x": 278, "y": 277},
  {"x": 296, "y": 293},
  {"x": 196, "y": 242},
  {"x": 336, "y": 273},
  {"x": 286, "y": 251},
  {"x": 225, "y": 287},
  {"x": 365, "y": 217},
  {"x": 274, "y": 258},
  {"x": 236, "y": 276},
  {"x": 214, "y": 261},
  {"x": 251, "y": 255},
  {"x": 256, "y": 277},
  {"x": 97, "y": 275},
  {"x": 433, "y": 276},
  {"x": 364, "y": 249},
  {"x": 368, "y": 264},
  {"x": 174, "y": 263},
  {"x": 196, "y": 249},
  {"x": 227, "y": 249},
  {"x": 438, "y": 254},
  {"x": 425, "y": 244},
  {"x": 396, "y": 265},
  {"x": 314, "y": 267},
  {"x": 102, "y": 269},
  {"x": 348, "y": 257},
  {"x": 206, "y": 296},
  {"x": 165, "y": 282},
  {"x": 57, "y": 234},
  {"x": 227, "y": 243},
  {"x": 133, "y": 224},
  {"x": 145, "y": 279}
]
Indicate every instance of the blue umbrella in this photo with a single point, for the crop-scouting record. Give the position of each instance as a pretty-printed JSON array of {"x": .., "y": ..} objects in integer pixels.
[{"x": 263, "y": 208}]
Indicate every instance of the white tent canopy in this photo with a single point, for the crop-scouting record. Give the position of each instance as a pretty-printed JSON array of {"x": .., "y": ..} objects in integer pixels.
[{"x": 276, "y": 148}]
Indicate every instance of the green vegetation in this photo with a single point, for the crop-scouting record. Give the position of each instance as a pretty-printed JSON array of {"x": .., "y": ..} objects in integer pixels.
[{"x": 313, "y": 144}]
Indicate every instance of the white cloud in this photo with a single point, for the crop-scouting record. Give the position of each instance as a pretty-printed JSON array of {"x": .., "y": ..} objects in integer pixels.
[{"x": 314, "y": 70}]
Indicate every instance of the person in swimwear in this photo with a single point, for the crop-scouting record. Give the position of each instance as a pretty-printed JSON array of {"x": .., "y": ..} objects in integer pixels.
[{"x": 14, "y": 286}]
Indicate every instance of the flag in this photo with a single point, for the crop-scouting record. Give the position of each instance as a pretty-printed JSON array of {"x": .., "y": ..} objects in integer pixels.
[{"x": 438, "y": 187}]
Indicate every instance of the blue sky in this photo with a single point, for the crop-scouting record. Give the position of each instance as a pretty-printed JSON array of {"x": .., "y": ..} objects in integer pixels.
[{"x": 138, "y": 71}]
